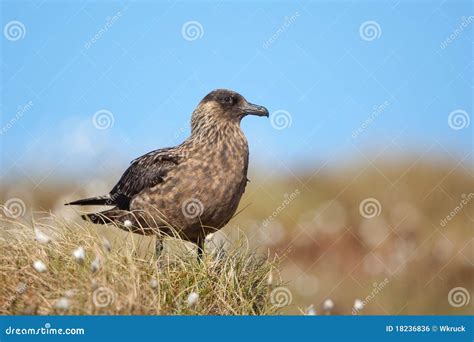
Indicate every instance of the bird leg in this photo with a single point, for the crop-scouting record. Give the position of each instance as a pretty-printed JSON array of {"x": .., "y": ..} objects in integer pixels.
[
  {"x": 158, "y": 246},
  {"x": 200, "y": 247}
]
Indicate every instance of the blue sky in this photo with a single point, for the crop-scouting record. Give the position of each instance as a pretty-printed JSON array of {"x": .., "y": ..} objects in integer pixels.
[{"x": 311, "y": 62}]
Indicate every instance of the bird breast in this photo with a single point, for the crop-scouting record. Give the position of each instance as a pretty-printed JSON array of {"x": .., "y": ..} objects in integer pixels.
[{"x": 222, "y": 168}]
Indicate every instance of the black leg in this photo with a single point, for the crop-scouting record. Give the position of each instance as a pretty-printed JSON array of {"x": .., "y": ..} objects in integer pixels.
[
  {"x": 200, "y": 247},
  {"x": 158, "y": 246}
]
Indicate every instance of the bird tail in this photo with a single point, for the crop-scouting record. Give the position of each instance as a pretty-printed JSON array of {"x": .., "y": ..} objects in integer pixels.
[
  {"x": 122, "y": 219},
  {"x": 99, "y": 200},
  {"x": 103, "y": 217}
]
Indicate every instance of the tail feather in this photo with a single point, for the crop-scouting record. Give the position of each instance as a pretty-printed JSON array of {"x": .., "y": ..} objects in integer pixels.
[
  {"x": 99, "y": 218},
  {"x": 99, "y": 200},
  {"x": 122, "y": 219}
]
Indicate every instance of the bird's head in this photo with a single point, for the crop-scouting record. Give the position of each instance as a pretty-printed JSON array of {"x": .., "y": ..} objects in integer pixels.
[{"x": 224, "y": 105}]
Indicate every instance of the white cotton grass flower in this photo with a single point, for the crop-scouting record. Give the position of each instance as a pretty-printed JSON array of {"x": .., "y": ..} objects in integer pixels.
[
  {"x": 127, "y": 223},
  {"x": 358, "y": 304},
  {"x": 310, "y": 311},
  {"x": 41, "y": 237},
  {"x": 39, "y": 266},
  {"x": 62, "y": 303},
  {"x": 154, "y": 283},
  {"x": 192, "y": 300},
  {"x": 270, "y": 279},
  {"x": 106, "y": 244},
  {"x": 95, "y": 265},
  {"x": 328, "y": 305},
  {"x": 79, "y": 254}
]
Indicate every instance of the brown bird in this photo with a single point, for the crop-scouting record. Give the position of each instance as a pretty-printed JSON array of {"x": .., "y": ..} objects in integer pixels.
[{"x": 192, "y": 189}]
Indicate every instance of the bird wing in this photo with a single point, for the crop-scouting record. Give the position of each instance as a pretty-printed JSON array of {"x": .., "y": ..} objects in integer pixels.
[{"x": 144, "y": 172}]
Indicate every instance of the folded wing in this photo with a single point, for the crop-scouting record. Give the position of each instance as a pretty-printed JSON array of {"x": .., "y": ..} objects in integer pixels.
[{"x": 144, "y": 172}]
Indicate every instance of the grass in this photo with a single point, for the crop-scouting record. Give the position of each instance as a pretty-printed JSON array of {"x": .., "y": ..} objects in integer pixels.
[{"x": 127, "y": 278}]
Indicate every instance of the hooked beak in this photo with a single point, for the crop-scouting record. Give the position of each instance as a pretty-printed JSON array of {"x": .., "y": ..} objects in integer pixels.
[{"x": 253, "y": 109}]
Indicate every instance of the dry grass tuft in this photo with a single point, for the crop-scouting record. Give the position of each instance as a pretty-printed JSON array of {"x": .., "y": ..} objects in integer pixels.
[{"x": 87, "y": 275}]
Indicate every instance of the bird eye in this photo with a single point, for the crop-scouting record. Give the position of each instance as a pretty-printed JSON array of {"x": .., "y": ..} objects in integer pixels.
[{"x": 228, "y": 99}]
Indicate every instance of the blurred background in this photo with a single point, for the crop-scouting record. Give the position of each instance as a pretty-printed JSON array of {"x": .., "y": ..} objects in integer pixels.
[{"x": 362, "y": 178}]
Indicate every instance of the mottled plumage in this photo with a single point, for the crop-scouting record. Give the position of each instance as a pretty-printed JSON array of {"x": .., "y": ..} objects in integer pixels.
[{"x": 194, "y": 187}]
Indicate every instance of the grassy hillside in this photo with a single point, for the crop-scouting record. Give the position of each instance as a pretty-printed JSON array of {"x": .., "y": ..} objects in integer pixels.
[{"x": 54, "y": 267}]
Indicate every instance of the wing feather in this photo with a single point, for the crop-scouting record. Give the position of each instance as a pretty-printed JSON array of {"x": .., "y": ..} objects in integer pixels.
[{"x": 144, "y": 172}]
